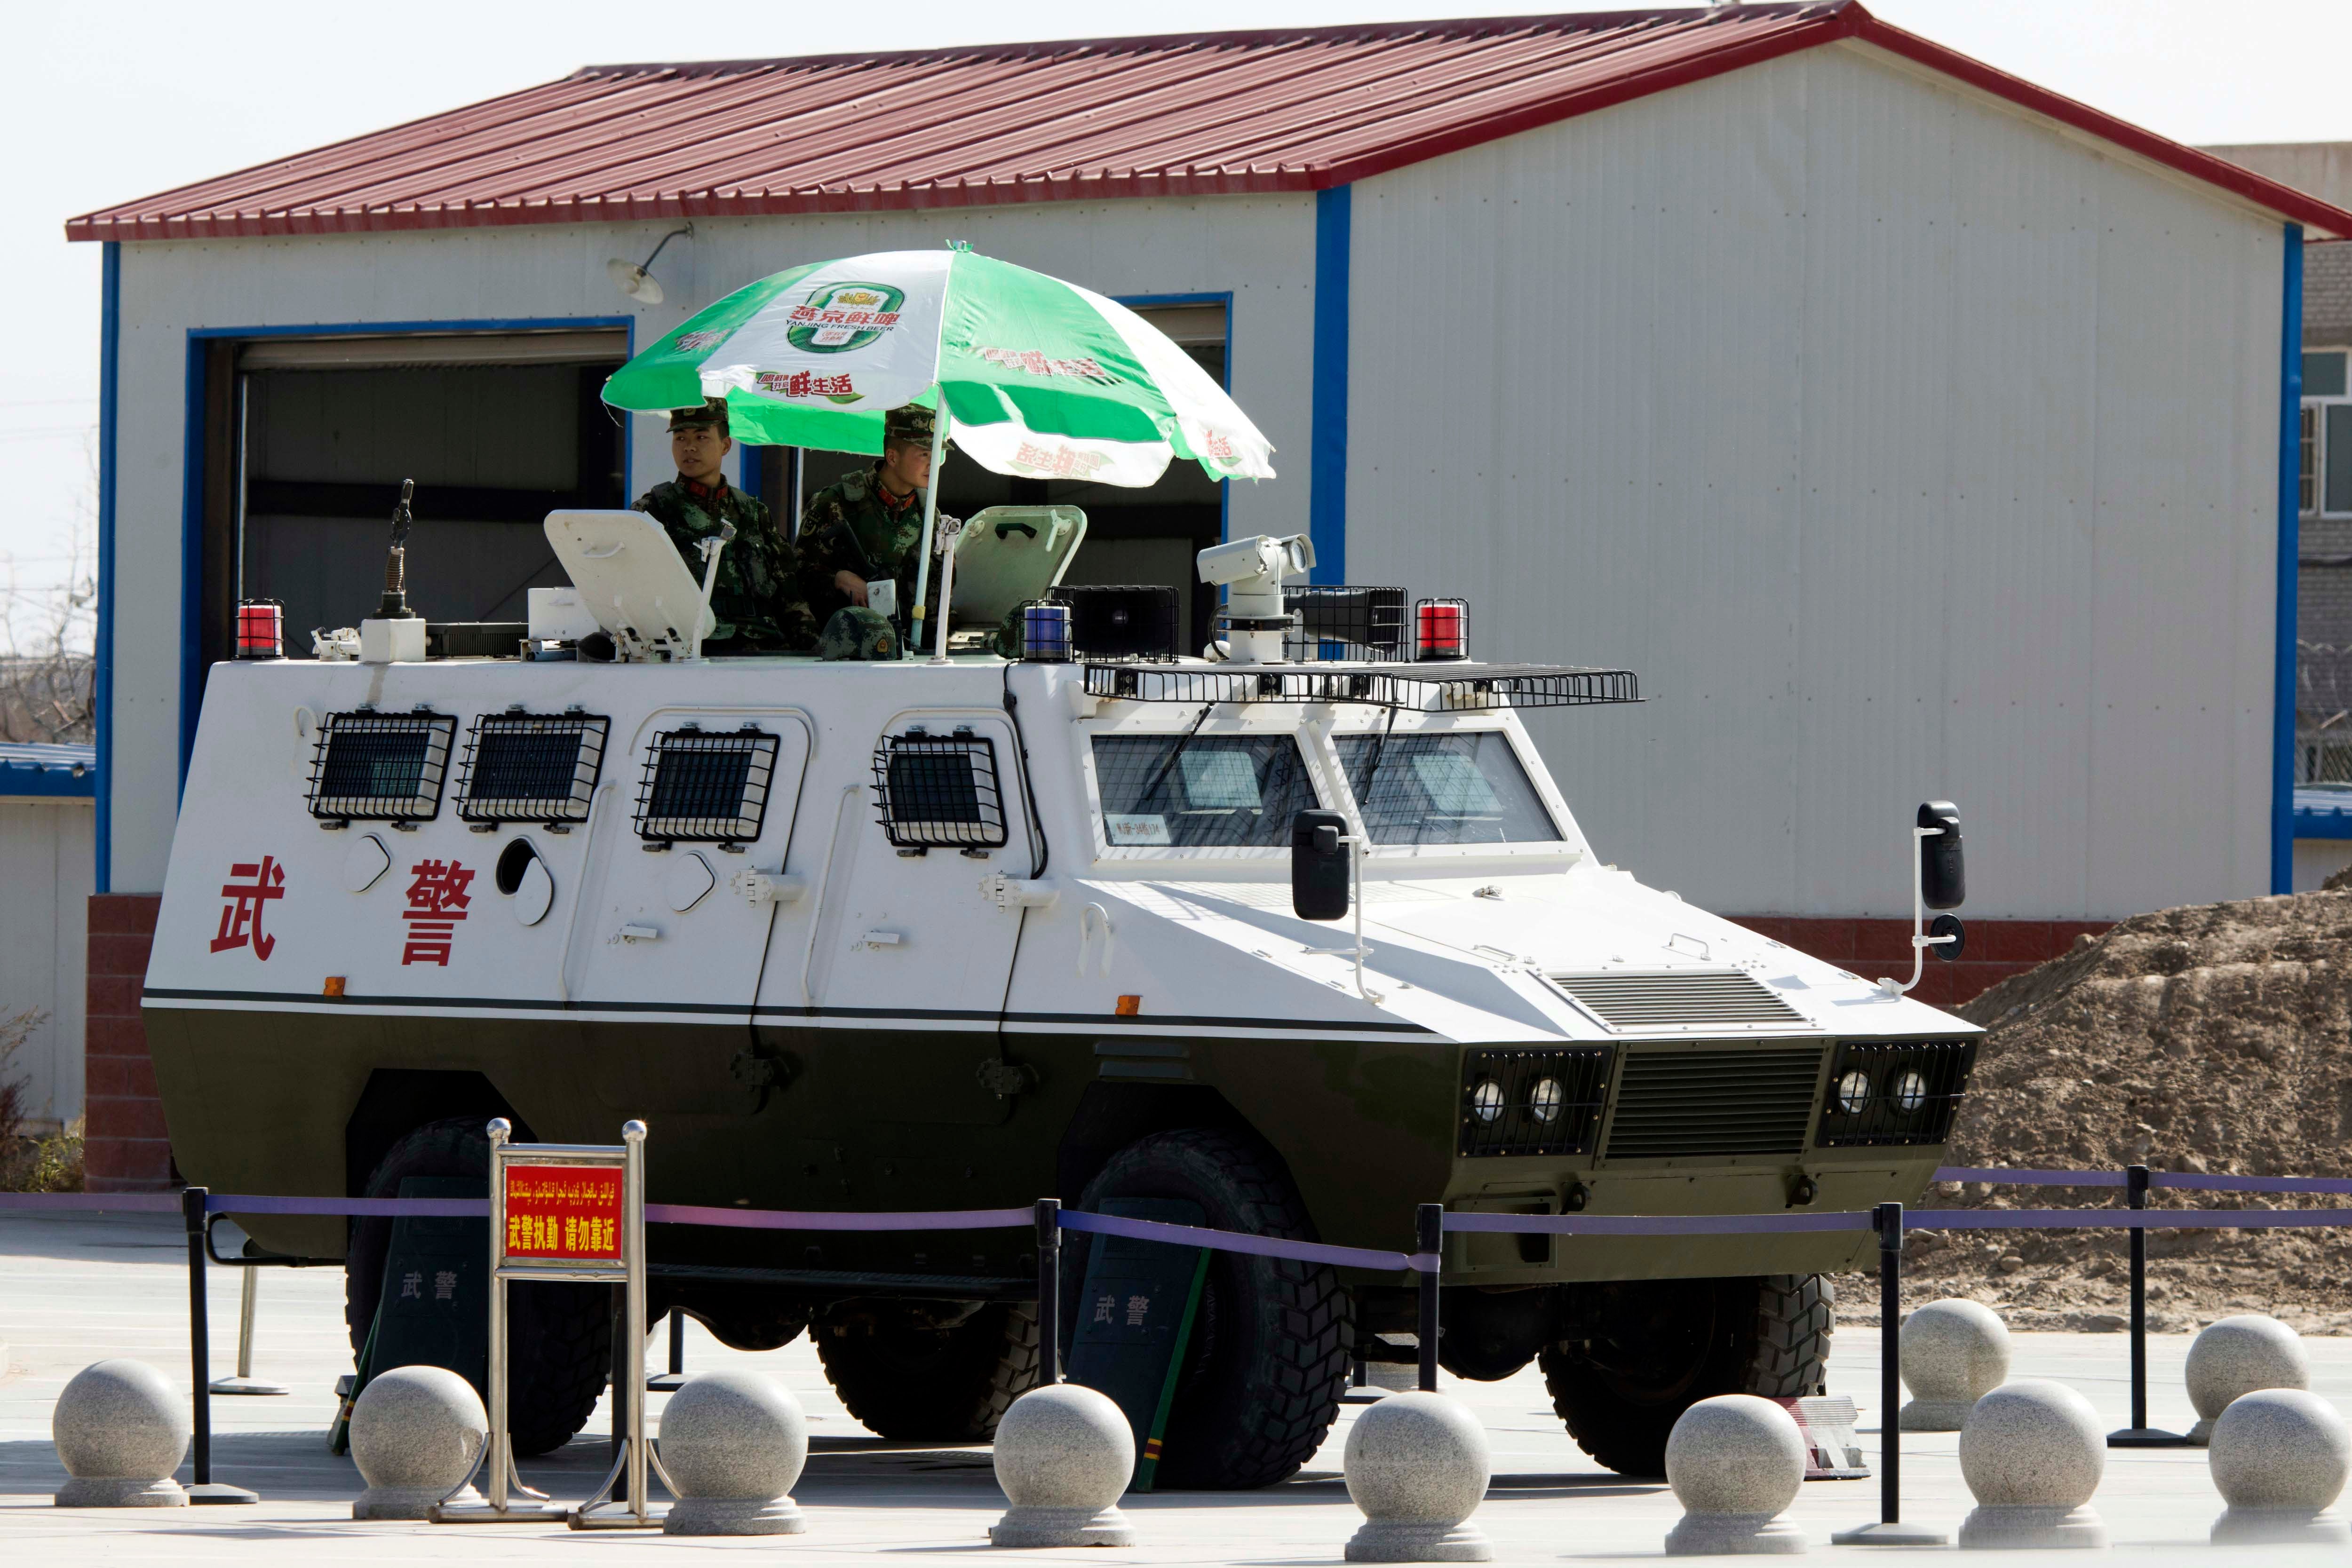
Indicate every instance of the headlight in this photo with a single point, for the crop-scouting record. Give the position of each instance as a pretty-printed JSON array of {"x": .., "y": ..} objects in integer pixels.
[
  {"x": 1853, "y": 1092},
  {"x": 1910, "y": 1091},
  {"x": 1545, "y": 1100},
  {"x": 1487, "y": 1100}
]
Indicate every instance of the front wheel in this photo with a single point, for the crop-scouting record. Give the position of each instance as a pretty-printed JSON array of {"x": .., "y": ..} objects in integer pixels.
[
  {"x": 1657, "y": 1347},
  {"x": 1263, "y": 1372},
  {"x": 559, "y": 1337}
]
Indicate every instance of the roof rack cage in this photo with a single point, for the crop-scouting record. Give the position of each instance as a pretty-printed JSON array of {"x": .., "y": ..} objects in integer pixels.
[
  {"x": 1415, "y": 688},
  {"x": 1348, "y": 622}
]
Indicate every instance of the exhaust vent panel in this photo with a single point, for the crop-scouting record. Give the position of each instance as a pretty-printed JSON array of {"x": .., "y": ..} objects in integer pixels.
[{"x": 1632, "y": 1002}]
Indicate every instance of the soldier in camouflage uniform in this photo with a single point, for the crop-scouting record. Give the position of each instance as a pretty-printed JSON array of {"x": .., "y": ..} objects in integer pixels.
[
  {"x": 867, "y": 526},
  {"x": 757, "y": 599}
]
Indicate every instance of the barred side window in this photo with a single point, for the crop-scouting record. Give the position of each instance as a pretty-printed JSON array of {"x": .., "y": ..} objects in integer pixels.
[
  {"x": 381, "y": 767},
  {"x": 939, "y": 791},
  {"x": 531, "y": 767},
  {"x": 705, "y": 787}
]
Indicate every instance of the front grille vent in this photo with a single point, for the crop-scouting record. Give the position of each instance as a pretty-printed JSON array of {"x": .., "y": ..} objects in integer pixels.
[
  {"x": 1710, "y": 999},
  {"x": 1684, "y": 1105}
]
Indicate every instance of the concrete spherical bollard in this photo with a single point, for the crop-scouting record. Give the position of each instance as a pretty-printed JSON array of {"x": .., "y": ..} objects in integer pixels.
[
  {"x": 1735, "y": 1461},
  {"x": 416, "y": 1432},
  {"x": 1954, "y": 1354},
  {"x": 2235, "y": 1356},
  {"x": 2279, "y": 1457},
  {"x": 1064, "y": 1454},
  {"x": 2033, "y": 1453},
  {"x": 734, "y": 1442},
  {"x": 120, "y": 1429},
  {"x": 1417, "y": 1464}
]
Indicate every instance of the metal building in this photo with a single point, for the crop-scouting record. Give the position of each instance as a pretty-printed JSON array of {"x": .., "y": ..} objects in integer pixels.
[{"x": 1912, "y": 431}]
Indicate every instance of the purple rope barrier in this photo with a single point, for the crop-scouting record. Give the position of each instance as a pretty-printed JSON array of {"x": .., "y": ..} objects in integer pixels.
[
  {"x": 789, "y": 1219},
  {"x": 1657, "y": 1224},
  {"x": 2249, "y": 1183},
  {"x": 1235, "y": 1241}
]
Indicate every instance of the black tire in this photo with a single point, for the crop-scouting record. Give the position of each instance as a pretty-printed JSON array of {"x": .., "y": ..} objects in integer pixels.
[
  {"x": 1664, "y": 1345},
  {"x": 559, "y": 1338},
  {"x": 910, "y": 1380},
  {"x": 1268, "y": 1358}
]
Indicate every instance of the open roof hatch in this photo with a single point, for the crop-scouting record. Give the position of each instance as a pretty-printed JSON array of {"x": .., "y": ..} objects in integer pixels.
[
  {"x": 1009, "y": 555},
  {"x": 631, "y": 579}
]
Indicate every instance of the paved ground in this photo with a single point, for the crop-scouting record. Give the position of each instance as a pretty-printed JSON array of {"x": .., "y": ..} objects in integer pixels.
[{"x": 73, "y": 1290}]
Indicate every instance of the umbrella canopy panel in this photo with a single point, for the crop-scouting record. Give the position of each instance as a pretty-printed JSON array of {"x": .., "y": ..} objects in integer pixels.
[{"x": 1040, "y": 379}]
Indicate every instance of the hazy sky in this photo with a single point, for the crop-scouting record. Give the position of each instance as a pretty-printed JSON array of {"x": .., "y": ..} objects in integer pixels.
[{"x": 107, "y": 104}]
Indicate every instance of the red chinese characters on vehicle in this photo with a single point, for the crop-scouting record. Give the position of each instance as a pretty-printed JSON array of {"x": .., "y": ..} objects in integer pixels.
[
  {"x": 240, "y": 921},
  {"x": 437, "y": 900},
  {"x": 563, "y": 1211}
]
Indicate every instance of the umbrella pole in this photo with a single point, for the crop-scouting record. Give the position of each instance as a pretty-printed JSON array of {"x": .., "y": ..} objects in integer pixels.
[{"x": 930, "y": 515}]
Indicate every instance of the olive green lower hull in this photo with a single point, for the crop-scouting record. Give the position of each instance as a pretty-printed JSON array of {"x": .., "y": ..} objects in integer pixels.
[{"x": 796, "y": 1116}]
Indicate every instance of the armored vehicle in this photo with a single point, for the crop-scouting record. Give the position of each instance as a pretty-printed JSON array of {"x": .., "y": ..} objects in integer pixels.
[{"x": 960, "y": 933}]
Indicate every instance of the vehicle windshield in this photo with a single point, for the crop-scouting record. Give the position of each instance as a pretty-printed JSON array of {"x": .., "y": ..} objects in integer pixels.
[
  {"x": 1201, "y": 791},
  {"x": 1461, "y": 788}
]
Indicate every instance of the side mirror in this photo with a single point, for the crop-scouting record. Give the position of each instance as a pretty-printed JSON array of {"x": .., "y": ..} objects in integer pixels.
[
  {"x": 1943, "y": 874},
  {"x": 1319, "y": 865}
]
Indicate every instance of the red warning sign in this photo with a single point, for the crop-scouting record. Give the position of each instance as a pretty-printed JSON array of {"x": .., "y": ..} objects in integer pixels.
[{"x": 563, "y": 1211}]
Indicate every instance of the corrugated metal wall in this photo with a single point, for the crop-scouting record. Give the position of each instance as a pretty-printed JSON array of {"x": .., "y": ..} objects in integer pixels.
[
  {"x": 45, "y": 863},
  {"x": 1905, "y": 447},
  {"x": 1258, "y": 248}
]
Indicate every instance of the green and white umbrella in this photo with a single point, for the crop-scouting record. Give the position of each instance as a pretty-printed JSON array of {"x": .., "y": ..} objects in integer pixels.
[{"x": 1040, "y": 379}]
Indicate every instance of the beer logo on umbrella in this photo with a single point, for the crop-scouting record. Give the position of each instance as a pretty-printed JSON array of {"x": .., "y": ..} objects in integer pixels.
[{"x": 841, "y": 317}]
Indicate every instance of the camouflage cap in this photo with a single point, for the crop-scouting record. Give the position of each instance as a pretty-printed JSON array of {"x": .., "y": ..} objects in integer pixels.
[
  {"x": 711, "y": 415},
  {"x": 856, "y": 632},
  {"x": 912, "y": 422}
]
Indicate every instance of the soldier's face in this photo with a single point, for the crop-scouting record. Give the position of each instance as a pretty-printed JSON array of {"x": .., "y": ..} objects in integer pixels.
[
  {"x": 698, "y": 453},
  {"x": 907, "y": 467}
]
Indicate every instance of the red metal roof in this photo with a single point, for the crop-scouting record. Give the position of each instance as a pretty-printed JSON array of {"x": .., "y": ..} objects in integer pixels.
[{"x": 1213, "y": 114}]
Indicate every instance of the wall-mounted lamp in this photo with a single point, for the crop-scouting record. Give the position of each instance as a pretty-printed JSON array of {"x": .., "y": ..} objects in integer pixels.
[{"x": 637, "y": 279}]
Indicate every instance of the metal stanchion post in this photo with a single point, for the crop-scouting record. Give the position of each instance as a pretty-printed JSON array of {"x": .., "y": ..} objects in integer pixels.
[
  {"x": 245, "y": 1382},
  {"x": 200, "y": 1353},
  {"x": 2139, "y": 1434},
  {"x": 668, "y": 1382},
  {"x": 1049, "y": 1290},
  {"x": 1429, "y": 1239},
  {"x": 1888, "y": 1529}
]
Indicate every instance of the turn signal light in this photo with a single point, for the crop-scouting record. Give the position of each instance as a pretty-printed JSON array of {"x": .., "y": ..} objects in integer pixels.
[{"x": 1129, "y": 1006}]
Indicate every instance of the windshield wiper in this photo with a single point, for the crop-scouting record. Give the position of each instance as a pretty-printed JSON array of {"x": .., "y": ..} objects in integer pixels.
[
  {"x": 1373, "y": 762},
  {"x": 1151, "y": 790}
]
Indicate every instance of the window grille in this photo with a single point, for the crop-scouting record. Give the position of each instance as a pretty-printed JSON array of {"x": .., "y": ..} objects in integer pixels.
[
  {"x": 531, "y": 768},
  {"x": 1341, "y": 620},
  {"x": 939, "y": 792},
  {"x": 381, "y": 767},
  {"x": 706, "y": 788}
]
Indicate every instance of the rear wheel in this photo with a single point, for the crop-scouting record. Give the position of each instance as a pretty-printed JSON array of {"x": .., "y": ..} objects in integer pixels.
[
  {"x": 559, "y": 1337},
  {"x": 930, "y": 1371},
  {"x": 1658, "y": 1347},
  {"x": 1264, "y": 1370}
]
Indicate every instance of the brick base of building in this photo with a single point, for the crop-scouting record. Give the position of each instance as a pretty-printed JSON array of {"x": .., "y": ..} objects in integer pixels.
[
  {"x": 1876, "y": 949},
  {"x": 124, "y": 1146}
]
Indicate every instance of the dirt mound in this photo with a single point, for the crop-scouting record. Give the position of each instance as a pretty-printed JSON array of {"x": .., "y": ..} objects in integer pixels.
[{"x": 2214, "y": 1037}]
